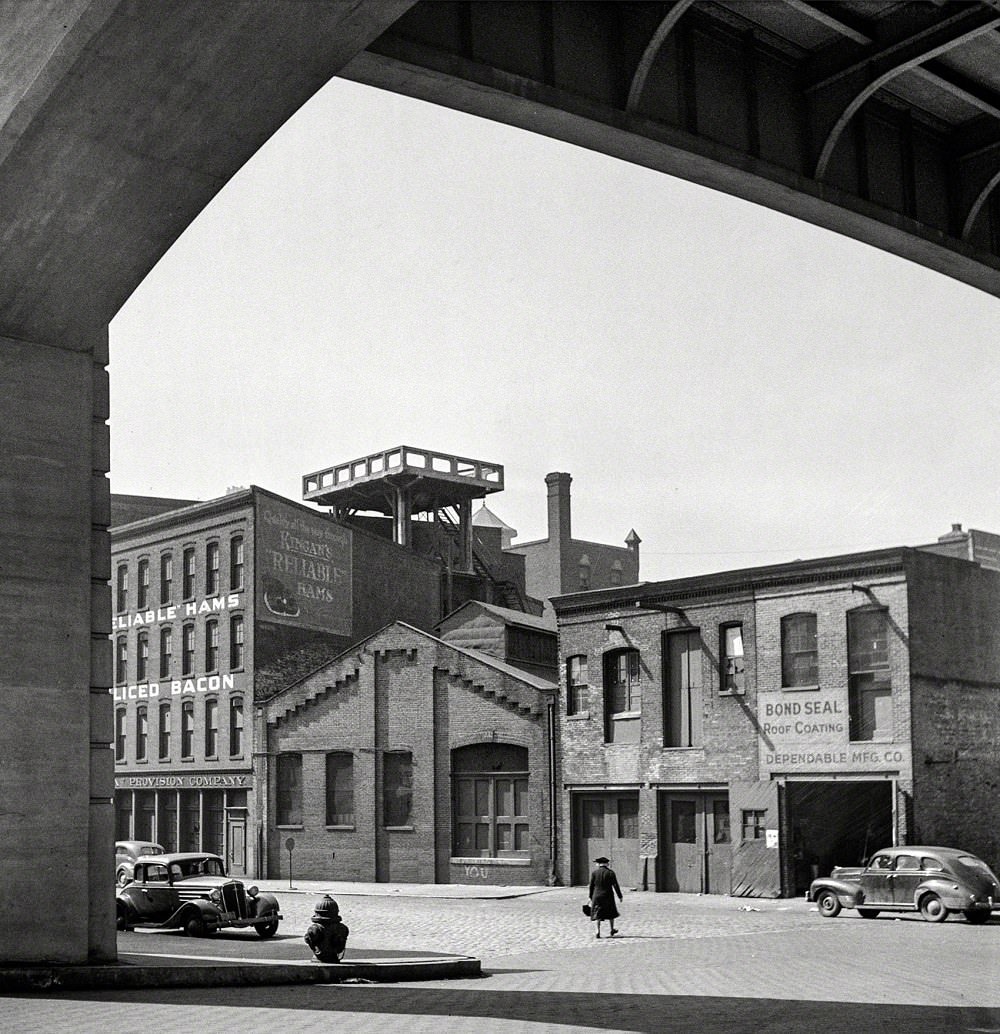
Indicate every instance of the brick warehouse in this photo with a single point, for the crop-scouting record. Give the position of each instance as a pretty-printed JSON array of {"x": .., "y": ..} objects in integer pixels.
[
  {"x": 217, "y": 604},
  {"x": 742, "y": 732},
  {"x": 411, "y": 759}
]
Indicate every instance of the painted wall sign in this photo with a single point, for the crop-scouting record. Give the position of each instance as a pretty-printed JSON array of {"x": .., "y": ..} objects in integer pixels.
[
  {"x": 184, "y": 782},
  {"x": 810, "y": 731},
  {"x": 174, "y": 688},
  {"x": 303, "y": 569},
  {"x": 191, "y": 609}
]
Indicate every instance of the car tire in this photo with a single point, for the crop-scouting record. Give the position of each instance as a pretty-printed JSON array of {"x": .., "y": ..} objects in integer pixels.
[
  {"x": 122, "y": 877},
  {"x": 932, "y": 909},
  {"x": 976, "y": 916},
  {"x": 829, "y": 904},
  {"x": 195, "y": 927},
  {"x": 266, "y": 930},
  {"x": 868, "y": 913},
  {"x": 122, "y": 917}
]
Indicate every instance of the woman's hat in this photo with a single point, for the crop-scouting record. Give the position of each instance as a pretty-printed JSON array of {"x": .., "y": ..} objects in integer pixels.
[{"x": 602, "y": 860}]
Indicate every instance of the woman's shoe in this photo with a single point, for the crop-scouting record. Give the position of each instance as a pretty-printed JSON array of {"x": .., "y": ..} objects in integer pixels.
[
  {"x": 598, "y": 935},
  {"x": 613, "y": 931}
]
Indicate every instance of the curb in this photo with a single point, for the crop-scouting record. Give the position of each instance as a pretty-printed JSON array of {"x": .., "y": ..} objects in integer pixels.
[{"x": 104, "y": 977}]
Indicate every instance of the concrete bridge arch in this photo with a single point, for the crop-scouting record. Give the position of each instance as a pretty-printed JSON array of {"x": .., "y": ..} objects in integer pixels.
[{"x": 121, "y": 119}]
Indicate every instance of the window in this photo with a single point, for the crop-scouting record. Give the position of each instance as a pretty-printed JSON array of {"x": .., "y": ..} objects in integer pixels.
[
  {"x": 212, "y": 569},
  {"x": 121, "y": 595},
  {"x": 732, "y": 674},
  {"x": 141, "y": 656},
  {"x": 211, "y": 644},
  {"x": 799, "y": 652},
  {"x": 340, "y": 789},
  {"x": 141, "y": 732},
  {"x": 682, "y": 706},
  {"x": 490, "y": 801},
  {"x": 187, "y": 729},
  {"x": 166, "y": 648},
  {"x": 616, "y": 573},
  {"x": 142, "y": 584},
  {"x": 577, "y": 689},
  {"x": 236, "y": 563},
  {"x": 236, "y": 726},
  {"x": 121, "y": 660},
  {"x": 753, "y": 824},
  {"x": 584, "y": 567},
  {"x": 166, "y": 577},
  {"x": 869, "y": 684},
  {"x": 211, "y": 728},
  {"x": 289, "y": 790},
  {"x": 120, "y": 717},
  {"x": 622, "y": 695},
  {"x": 187, "y": 574},
  {"x": 164, "y": 731},
  {"x": 397, "y": 787},
  {"x": 236, "y": 642},
  {"x": 187, "y": 649}
]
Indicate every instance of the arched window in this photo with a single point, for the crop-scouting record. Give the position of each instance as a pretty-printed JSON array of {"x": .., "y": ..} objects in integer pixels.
[
  {"x": 120, "y": 719},
  {"x": 187, "y": 649},
  {"x": 141, "y": 732},
  {"x": 166, "y": 577},
  {"x": 141, "y": 656},
  {"x": 166, "y": 649},
  {"x": 236, "y": 563},
  {"x": 142, "y": 583},
  {"x": 121, "y": 593},
  {"x": 211, "y": 727},
  {"x": 164, "y": 732},
  {"x": 187, "y": 729},
  {"x": 211, "y": 644},
  {"x": 236, "y": 642},
  {"x": 212, "y": 569},
  {"x": 490, "y": 802},
  {"x": 236, "y": 727},
  {"x": 121, "y": 660}
]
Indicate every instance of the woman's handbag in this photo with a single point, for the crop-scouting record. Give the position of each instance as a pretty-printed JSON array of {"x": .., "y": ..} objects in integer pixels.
[{"x": 586, "y": 910}]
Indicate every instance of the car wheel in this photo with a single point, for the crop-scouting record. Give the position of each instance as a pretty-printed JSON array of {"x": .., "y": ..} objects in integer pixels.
[
  {"x": 121, "y": 917},
  {"x": 976, "y": 916},
  {"x": 195, "y": 927},
  {"x": 932, "y": 909},
  {"x": 122, "y": 877},
  {"x": 868, "y": 913},
  {"x": 829, "y": 905},
  {"x": 267, "y": 929}
]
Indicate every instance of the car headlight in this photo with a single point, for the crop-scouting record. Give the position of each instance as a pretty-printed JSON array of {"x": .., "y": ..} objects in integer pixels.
[
  {"x": 215, "y": 896},
  {"x": 253, "y": 891}
]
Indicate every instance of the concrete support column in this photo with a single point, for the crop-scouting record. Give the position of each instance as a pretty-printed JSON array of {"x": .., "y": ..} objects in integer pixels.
[{"x": 55, "y": 661}]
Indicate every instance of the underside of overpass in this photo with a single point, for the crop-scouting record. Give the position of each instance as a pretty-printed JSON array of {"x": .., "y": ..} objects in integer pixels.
[{"x": 120, "y": 120}]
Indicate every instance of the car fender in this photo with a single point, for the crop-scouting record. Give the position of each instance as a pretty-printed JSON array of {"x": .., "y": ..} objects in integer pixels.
[
  {"x": 266, "y": 903},
  {"x": 848, "y": 894},
  {"x": 205, "y": 908},
  {"x": 948, "y": 890}
]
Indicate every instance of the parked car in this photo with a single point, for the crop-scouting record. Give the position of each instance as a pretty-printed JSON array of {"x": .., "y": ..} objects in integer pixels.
[
  {"x": 934, "y": 881},
  {"x": 191, "y": 892},
  {"x": 126, "y": 853}
]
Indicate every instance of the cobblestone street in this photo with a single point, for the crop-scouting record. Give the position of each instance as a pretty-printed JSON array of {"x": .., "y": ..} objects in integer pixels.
[{"x": 681, "y": 963}]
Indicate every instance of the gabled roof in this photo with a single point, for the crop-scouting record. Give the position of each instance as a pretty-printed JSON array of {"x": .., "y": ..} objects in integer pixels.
[{"x": 505, "y": 614}]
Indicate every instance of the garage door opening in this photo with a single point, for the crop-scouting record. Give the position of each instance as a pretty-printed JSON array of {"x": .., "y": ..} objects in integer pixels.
[{"x": 836, "y": 823}]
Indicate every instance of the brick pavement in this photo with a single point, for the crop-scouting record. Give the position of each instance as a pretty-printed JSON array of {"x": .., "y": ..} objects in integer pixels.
[{"x": 681, "y": 964}]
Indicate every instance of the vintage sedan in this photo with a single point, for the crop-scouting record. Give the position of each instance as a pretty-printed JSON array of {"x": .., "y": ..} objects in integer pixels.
[
  {"x": 934, "y": 881},
  {"x": 126, "y": 853},
  {"x": 192, "y": 892}
]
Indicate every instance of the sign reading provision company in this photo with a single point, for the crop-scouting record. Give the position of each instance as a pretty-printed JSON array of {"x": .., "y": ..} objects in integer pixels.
[
  {"x": 192, "y": 781},
  {"x": 303, "y": 570},
  {"x": 809, "y": 731}
]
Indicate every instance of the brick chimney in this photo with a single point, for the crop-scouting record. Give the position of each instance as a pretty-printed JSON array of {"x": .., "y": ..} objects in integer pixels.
[{"x": 559, "y": 526}]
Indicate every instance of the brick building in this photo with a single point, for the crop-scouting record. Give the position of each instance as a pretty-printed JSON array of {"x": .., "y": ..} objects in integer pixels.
[
  {"x": 560, "y": 563},
  {"x": 410, "y": 759},
  {"x": 217, "y": 604},
  {"x": 741, "y": 732}
]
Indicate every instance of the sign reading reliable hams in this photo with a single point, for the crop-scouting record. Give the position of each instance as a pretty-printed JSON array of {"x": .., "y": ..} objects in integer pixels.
[{"x": 303, "y": 569}]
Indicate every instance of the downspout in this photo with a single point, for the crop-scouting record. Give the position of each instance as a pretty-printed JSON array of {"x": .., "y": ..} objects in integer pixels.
[{"x": 553, "y": 840}]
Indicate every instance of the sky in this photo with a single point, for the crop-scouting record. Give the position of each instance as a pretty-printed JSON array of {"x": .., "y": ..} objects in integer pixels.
[{"x": 739, "y": 387}]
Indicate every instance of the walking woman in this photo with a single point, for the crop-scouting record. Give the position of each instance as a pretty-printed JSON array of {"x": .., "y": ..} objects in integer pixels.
[{"x": 603, "y": 888}]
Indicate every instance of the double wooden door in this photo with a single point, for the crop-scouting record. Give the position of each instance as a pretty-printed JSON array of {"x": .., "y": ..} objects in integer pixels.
[
  {"x": 607, "y": 824},
  {"x": 695, "y": 851}
]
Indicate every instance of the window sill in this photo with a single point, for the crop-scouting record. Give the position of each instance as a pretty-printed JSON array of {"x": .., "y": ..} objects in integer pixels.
[
  {"x": 341, "y": 829},
  {"x": 578, "y": 716},
  {"x": 800, "y": 689},
  {"x": 732, "y": 692},
  {"x": 498, "y": 863},
  {"x": 299, "y": 826},
  {"x": 398, "y": 829},
  {"x": 625, "y": 716}
]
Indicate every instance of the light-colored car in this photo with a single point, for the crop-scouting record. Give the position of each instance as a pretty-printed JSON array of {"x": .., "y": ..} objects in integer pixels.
[
  {"x": 934, "y": 881},
  {"x": 126, "y": 853},
  {"x": 191, "y": 892}
]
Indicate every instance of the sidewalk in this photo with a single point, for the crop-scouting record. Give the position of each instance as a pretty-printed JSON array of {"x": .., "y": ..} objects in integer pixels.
[{"x": 344, "y": 888}]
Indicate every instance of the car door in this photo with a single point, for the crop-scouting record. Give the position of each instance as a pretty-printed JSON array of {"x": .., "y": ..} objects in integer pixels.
[
  {"x": 151, "y": 894},
  {"x": 906, "y": 876},
  {"x": 876, "y": 880}
]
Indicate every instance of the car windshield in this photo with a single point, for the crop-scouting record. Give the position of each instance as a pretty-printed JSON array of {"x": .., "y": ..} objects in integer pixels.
[
  {"x": 201, "y": 867},
  {"x": 975, "y": 865}
]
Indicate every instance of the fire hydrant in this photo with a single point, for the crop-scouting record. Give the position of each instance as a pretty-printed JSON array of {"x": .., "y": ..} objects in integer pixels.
[{"x": 327, "y": 934}]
